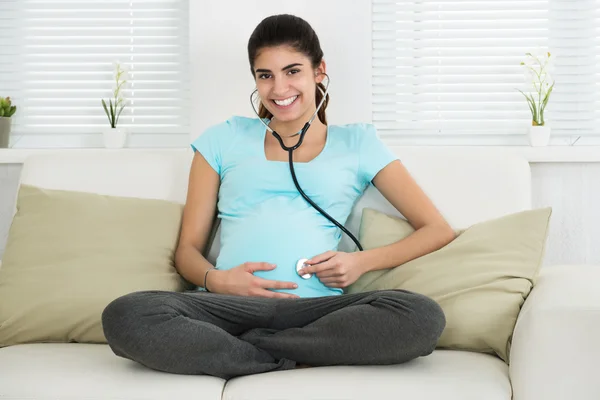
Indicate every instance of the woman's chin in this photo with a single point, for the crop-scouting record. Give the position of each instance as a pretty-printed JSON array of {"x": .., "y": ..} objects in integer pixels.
[
  {"x": 286, "y": 117},
  {"x": 291, "y": 115}
]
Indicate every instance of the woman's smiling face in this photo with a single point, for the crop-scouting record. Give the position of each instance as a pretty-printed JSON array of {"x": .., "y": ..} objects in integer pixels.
[{"x": 286, "y": 83}]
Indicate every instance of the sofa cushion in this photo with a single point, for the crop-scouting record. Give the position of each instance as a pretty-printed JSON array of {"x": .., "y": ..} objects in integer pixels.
[
  {"x": 445, "y": 374},
  {"x": 91, "y": 371},
  {"x": 480, "y": 279},
  {"x": 71, "y": 253}
]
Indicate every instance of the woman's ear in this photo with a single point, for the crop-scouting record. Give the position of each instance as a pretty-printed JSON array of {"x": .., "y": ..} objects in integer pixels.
[{"x": 320, "y": 71}]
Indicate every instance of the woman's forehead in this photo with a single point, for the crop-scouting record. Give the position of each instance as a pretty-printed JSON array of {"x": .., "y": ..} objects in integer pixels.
[{"x": 278, "y": 57}]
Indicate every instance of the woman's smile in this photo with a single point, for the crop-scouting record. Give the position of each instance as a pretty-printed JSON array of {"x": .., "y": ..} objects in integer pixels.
[{"x": 285, "y": 104}]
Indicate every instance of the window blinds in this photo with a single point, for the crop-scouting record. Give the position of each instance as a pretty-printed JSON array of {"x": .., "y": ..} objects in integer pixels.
[
  {"x": 452, "y": 67},
  {"x": 57, "y": 63}
]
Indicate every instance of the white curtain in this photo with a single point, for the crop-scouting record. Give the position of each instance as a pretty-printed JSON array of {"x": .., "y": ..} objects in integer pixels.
[
  {"x": 452, "y": 67},
  {"x": 57, "y": 63}
]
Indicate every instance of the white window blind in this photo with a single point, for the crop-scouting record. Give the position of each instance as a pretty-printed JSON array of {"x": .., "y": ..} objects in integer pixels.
[
  {"x": 57, "y": 63},
  {"x": 452, "y": 67}
]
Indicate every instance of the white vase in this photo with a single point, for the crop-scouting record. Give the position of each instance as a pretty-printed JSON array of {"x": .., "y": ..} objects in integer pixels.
[
  {"x": 5, "y": 123},
  {"x": 539, "y": 135},
  {"x": 115, "y": 138}
]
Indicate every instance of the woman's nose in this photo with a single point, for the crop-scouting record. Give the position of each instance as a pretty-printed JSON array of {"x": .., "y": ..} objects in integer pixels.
[{"x": 280, "y": 87}]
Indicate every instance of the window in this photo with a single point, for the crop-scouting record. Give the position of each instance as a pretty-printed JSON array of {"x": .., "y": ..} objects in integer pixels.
[
  {"x": 450, "y": 68},
  {"x": 57, "y": 57}
]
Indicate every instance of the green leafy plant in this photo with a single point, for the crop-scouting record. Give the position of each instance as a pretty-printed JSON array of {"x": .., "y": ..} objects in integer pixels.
[
  {"x": 116, "y": 104},
  {"x": 7, "y": 110},
  {"x": 537, "y": 71}
]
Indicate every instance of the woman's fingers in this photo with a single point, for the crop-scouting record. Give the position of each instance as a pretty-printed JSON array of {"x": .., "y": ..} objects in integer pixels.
[
  {"x": 265, "y": 284},
  {"x": 329, "y": 273},
  {"x": 321, "y": 257},
  {"x": 259, "y": 292},
  {"x": 330, "y": 281},
  {"x": 270, "y": 284}
]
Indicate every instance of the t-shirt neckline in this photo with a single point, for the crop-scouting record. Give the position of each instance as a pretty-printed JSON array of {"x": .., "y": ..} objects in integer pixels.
[{"x": 264, "y": 155}]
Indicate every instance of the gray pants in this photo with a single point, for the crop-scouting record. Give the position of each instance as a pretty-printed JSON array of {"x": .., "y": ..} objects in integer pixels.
[{"x": 227, "y": 336}]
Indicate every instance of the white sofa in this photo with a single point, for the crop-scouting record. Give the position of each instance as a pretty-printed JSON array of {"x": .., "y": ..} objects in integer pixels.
[{"x": 555, "y": 344}]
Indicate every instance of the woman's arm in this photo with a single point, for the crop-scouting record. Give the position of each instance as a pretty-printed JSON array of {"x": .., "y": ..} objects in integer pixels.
[
  {"x": 197, "y": 221},
  {"x": 432, "y": 232},
  {"x": 341, "y": 269}
]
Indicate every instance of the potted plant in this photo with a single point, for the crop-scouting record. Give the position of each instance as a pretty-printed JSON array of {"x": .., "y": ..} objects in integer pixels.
[
  {"x": 537, "y": 68},
  {"x": 7, "y": 110},
  {"x": 115, "y": 137}
]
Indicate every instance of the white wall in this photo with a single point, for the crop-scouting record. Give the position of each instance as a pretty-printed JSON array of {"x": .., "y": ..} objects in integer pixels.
[{"x": 221, "y": 82}]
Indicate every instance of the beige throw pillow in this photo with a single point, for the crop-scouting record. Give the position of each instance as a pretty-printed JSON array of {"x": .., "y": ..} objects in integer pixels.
[
  {"x": 70, "y": 253},
  {"x": 480, "y": 279}
]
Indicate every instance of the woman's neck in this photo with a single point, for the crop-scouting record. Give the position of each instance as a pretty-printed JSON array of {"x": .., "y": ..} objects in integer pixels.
[
  {"x": 317, "y": 132},
  {"x": 292, "y": 129},
  {"x": 289, "y": 128}
]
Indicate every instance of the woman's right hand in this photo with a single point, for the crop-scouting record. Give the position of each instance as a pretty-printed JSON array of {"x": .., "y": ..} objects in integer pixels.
[{"x": 241, "y": 281}]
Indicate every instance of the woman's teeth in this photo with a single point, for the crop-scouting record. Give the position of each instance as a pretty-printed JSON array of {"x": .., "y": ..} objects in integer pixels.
[{"x": 286, "y": 102}]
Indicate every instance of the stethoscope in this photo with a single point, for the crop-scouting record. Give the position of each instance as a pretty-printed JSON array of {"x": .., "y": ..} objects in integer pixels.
[{"x": 300, "y": 263}]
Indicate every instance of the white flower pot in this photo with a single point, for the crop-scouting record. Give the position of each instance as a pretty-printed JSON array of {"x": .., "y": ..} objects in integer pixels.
[
  {"x": 539, "y": 135},
  {"x": 115, "y": 138},
  {"x": 5, "y": 123}
]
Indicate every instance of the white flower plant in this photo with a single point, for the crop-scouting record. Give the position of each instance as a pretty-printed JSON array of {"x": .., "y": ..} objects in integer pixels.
[
  {"x": 537, "y": 69},
  {"x": 117, "y": 103}
]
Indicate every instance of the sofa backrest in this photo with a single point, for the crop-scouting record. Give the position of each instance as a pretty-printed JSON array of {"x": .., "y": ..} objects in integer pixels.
[
  {"x": 467, "y": 185},
  {"x": 158, "y": 174}
]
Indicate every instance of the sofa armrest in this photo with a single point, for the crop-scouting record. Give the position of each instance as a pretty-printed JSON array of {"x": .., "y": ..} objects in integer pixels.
[{"x": 556, "y": 343}]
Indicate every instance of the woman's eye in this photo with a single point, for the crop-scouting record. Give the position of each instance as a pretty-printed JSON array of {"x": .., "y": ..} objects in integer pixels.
[{"x": 267, "y": 76}]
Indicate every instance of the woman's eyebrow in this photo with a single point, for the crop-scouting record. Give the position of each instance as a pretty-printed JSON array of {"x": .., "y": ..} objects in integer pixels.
[{"x": 283, "y": 69}]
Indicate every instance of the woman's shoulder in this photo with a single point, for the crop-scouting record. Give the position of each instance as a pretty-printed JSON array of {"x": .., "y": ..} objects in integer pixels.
[
  {"x": 244, "y": 127},
  {"x": 238, "y": 122},
  {"x": 356, "y": 132},
  {"x": 231, "y": 127},
  {"x": 355, "y": 127}
]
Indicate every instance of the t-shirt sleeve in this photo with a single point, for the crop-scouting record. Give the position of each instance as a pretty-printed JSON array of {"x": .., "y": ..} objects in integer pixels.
[
  {"x": 374, "y": 155},
  {"x": 211, "y": 144}
]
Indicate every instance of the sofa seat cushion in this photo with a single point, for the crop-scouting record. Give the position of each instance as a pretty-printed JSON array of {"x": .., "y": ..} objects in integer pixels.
[
  {"x": 443, "y": 375},
  {"x": 70, "y": 371}
]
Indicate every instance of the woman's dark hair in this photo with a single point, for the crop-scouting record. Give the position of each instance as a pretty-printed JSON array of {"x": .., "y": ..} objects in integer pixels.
[{"x": 292, "y": 31}]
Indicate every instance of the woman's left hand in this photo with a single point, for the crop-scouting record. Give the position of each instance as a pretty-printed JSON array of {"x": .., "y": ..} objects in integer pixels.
[{"x": 334, "y": 268}]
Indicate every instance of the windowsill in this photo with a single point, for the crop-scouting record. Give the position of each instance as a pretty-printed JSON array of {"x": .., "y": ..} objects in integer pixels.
[
  {"x": 562, "y": 154},
  {"x": 18, "y": 156}
]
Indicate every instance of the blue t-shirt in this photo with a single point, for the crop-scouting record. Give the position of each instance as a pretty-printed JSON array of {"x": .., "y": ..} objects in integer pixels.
[{"x": 263, "y": 216}]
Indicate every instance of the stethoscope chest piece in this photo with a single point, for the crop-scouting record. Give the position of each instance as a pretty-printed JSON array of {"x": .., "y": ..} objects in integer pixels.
[{"x": 300, "y": 265}]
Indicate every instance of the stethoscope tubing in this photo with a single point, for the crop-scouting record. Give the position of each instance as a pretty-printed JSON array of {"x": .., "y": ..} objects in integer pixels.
[{"x": 291, "y": 149}]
